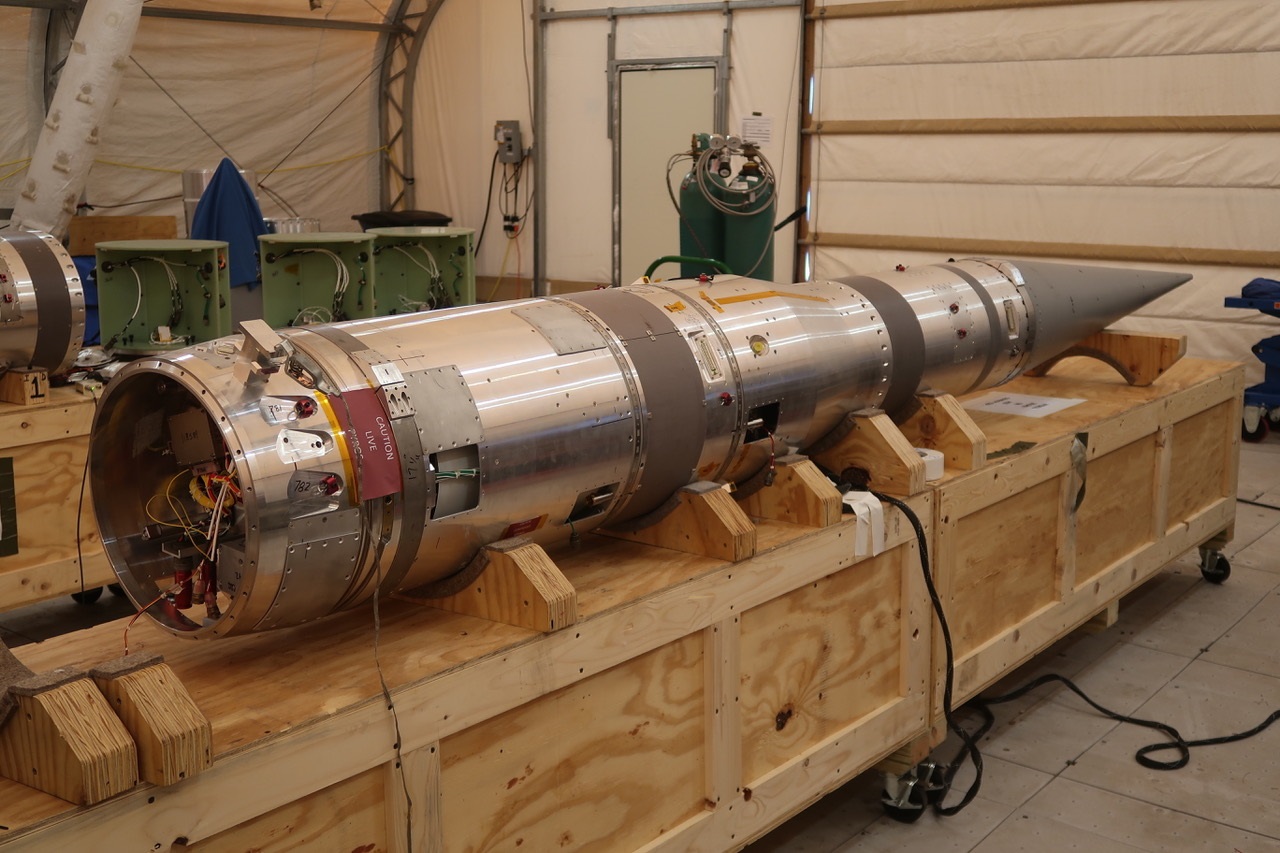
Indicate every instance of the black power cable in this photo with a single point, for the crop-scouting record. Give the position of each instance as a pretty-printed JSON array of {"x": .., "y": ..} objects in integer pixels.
[
  {"x": 969, "y": 748},
  {"x": 488, "y": 203},
  {"x": 969, "y": 740}
]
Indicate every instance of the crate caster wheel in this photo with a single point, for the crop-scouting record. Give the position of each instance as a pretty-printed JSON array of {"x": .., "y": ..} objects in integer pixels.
[
  {"x": 1255, "y": 424},
  {"x": 905, "y": 798},
  {"x": 1214, "y": 567},
  {"x": 89, "y": 596}
]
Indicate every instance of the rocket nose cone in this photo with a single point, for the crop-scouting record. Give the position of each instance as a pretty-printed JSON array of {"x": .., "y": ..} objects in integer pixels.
[{"x": 1073, "y": 302}]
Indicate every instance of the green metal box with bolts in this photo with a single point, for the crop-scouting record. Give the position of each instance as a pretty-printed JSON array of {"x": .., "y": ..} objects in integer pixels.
[
  {"x": 160, "y": 295},
  {"x": 423, "y": 268},
  {"x": 320, "y": 277}
]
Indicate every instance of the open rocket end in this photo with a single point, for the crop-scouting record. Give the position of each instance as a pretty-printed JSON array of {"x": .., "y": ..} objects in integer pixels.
[{"x": 1073, "y": 302}]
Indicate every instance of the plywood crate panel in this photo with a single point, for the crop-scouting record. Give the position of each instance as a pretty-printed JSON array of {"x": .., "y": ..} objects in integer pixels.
[
  {"x": 47, "y": 446},
  {"x": 623, "y": 731},
  {"x": 1023, "y": 556},
  {"x": 816, "y": 660},
  {"x": 608, "y": 763},
  {"x": 348, "y": 816}
]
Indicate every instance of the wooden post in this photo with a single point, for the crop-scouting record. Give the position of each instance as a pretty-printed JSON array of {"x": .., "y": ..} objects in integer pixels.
[
  {"x": 872, "y": 443},
  {"x": 942, "y": 424},
  {"x": 24, "y": 387},
  {"x": 1139, "y": 357},
  {"x": 174, "y": 739},
  {"x": 62, "y": 738},
  {"x": 702, "y": 518},
  {"x": 519, "y": 585},
  {"x": 1103, "y": 619},
  {"x": 800, "y": 494}
]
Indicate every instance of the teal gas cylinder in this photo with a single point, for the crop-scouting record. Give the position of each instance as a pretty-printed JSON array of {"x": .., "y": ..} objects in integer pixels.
[
  {"x": 748, "y": 231},
  {"x": 701, "y": 224}
]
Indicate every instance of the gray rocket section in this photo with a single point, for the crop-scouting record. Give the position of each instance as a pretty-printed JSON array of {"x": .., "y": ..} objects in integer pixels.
[
  {"x": 1073, "y": 302},
  {"x": 381, "y": 455}
]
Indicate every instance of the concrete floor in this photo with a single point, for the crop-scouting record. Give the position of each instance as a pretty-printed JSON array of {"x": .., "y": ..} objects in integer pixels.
[{"x": 1060, "y": 777}]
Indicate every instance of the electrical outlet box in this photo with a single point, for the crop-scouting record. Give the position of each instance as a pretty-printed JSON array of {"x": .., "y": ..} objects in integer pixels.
[{"x": 507, "y": 135}]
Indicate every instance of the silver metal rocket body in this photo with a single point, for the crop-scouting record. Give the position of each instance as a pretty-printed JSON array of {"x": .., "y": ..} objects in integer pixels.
[
  {"x": 41, "y": 303},
  {"x": 383, "y": 454}
]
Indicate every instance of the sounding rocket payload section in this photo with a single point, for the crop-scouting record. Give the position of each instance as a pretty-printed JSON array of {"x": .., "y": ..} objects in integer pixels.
[{"x": 263, "y": 480}]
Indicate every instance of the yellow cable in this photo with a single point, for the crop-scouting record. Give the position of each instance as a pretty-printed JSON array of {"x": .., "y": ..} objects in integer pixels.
[
  {"x": 9, "y": 175},
  {"x": 22, "y": 160},
  {"x": 198, "y": 495}
]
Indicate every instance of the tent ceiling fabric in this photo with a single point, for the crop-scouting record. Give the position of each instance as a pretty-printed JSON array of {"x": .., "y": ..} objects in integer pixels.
[{"x": 258, "y": 90}]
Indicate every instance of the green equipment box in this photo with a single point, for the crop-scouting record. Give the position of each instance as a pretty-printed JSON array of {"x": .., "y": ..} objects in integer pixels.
[
  {"x": 160, "y": 295},
  {"x": 320, "y": 277},
  {"x": 424, "y": 268}
]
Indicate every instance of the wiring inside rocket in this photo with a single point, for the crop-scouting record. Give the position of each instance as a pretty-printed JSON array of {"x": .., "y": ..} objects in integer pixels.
[{"x": 936, "y": 790}]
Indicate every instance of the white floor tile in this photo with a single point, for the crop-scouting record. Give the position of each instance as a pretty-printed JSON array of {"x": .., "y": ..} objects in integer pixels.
[
  {"x": 931, "y": 833},
  {"x": 1234, "y": 784},
  {"x": 1034, "y": 834},
  {"x": 1206, "y": 612},
  {"x": 1251, "y": 643},
  {"x": 1252, "y": 523},
  {"x": 1263, "y": 555},
  {"x": 1142, "y": 825}
]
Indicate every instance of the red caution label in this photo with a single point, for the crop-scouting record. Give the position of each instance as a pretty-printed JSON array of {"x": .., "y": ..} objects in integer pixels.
[
  {"x": 523, "y": 528},
  {"x": 373, "y": 445}
]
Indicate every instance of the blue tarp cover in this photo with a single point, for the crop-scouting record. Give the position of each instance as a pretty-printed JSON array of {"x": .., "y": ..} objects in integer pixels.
[
  {"x": 229, "y": 212},
  {"x": 1261, "y": 288}
]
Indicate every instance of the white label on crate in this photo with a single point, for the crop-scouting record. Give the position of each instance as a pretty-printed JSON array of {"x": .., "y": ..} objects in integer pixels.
[{"x": 1021, "y": 404}]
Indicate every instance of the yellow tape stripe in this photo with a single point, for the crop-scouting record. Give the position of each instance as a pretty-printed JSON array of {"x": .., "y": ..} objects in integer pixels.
[
  {"x": 749, "y": 297},
  {"x": 702, "y": 294},
  {"x": 344, "y": 451}
]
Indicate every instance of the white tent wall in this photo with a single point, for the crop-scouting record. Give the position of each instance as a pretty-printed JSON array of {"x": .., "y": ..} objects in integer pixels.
[
  {"x": 1083, "y": 133},
  {"x": 472, "y": 74},
  {"x": 21, "y": 73},
  {"x": 258, "y": 91}
]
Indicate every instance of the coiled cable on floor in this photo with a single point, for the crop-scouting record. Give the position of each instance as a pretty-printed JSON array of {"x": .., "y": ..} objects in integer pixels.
[{"x": 982, "y": 704}]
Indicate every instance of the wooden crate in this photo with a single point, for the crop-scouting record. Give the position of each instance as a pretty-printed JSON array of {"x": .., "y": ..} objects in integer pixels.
[
  {"x": 1018, "y": 565},
  {"x": 86, "y": 232},
  {"x": 46, "y": 446},
  {"x": 695, "y": 704}
]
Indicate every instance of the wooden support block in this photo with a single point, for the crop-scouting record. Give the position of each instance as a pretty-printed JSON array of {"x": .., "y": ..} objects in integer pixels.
[
  {"x": 64, "y": 740},
  {"x": 800, "y": 494},
  {"x": 869, "y": 441},
  {"x": 174, "y": 739},
  {"x": 702, "y": 518},
  {"x": 1103, "y": 619},
  {"x": 24, "y": 387},
  {"x": 942, "y": 424},
  {"x": 518, "y": 585},
  {"x": 1139, "y": 357}
]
